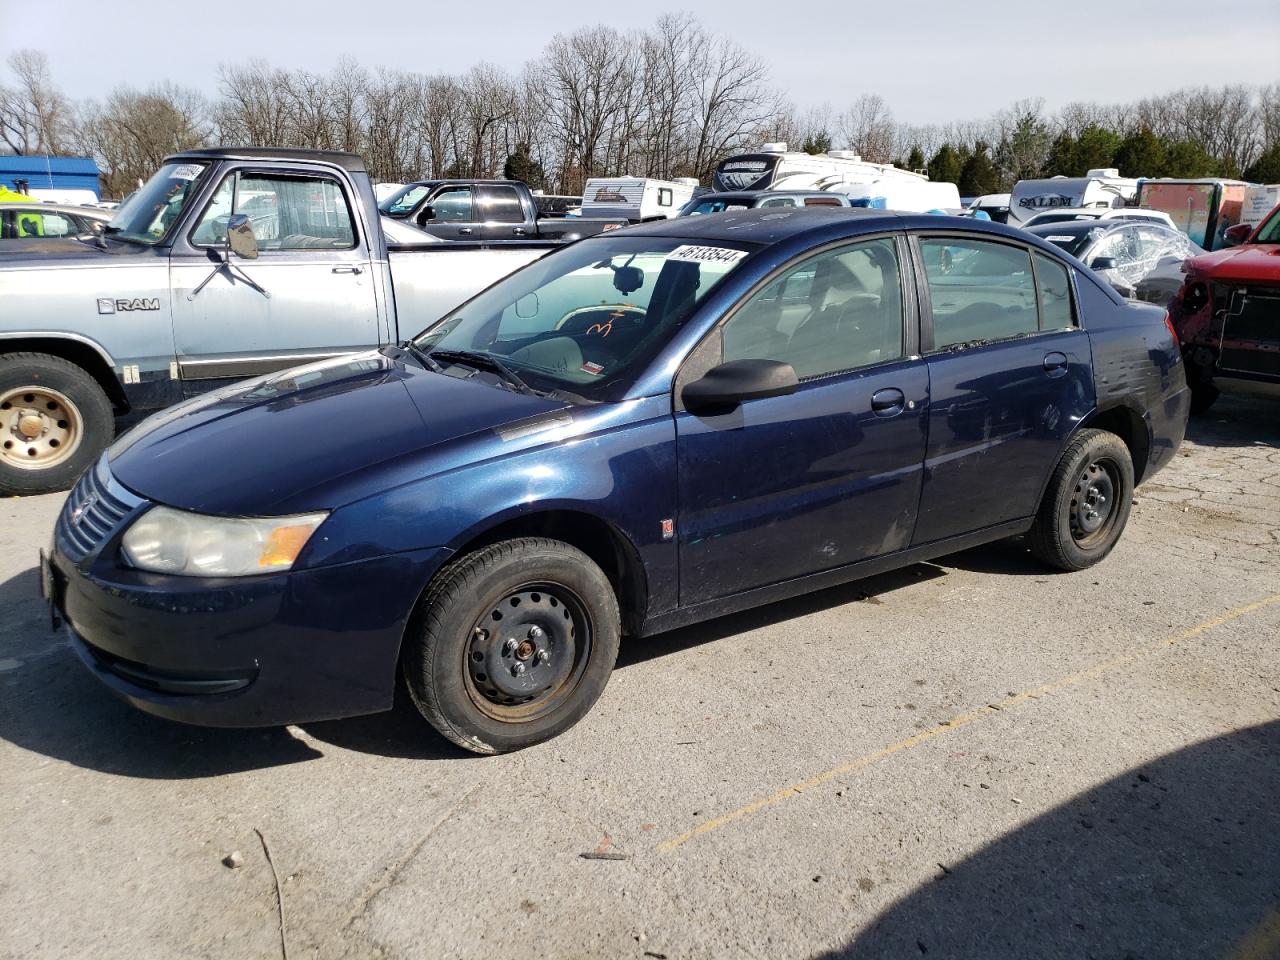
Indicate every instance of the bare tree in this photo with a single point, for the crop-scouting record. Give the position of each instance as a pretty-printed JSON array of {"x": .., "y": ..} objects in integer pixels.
[
  {"x": 867, "y": 127},
  {"x": 34, "y": 116}
]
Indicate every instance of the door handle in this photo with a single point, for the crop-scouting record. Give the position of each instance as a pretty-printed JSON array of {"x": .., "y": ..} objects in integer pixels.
[
  {"x": 1055, "y": 364},
  {"x": 519, "y": 231},
  {"x": 888, "y": 402},
  {"x": 347, "y": 270},
  {"x": 465, "y": 231}
]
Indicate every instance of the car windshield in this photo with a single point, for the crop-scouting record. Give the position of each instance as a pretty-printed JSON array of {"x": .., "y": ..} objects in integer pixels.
[
  {"x": 403, "y": 200},
  {"x": 1270, "y": 232},
  {"x": 1073, "y": 237},
  {"x": 148, "y": 213},
  {"x": 714, "y": 206},
  {"x": 586, "y": 319}
]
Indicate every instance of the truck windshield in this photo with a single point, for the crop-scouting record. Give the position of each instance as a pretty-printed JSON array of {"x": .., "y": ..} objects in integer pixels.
[
  {"x": 148, "y": 214},
  {"x": 403, "y": 200},
  {"x": 585, "y": 320},
  {"x": 1270, "y": 232}
]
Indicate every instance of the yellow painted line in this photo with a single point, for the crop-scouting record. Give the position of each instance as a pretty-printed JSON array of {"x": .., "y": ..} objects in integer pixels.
[{"x": 947, "y": 726}]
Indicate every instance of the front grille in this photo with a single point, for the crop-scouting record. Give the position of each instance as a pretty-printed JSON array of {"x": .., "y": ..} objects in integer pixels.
[
  {"x": 1251, "y": 338},
  {"x": 94, "y": 511}
]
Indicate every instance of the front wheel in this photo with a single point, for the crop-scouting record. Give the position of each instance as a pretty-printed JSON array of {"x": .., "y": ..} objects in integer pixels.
[
  {"x": 55, "y": 420},
  {"x": 1087, "y": 503},
  {"x": 512, "y": 644}
]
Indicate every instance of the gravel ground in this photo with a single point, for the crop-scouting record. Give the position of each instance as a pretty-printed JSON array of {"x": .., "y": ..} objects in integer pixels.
[{"x": 969, "y": 758}]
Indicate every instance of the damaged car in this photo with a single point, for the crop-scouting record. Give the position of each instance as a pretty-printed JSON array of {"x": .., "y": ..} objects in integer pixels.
[
  {"x": 1142, "y": 261},
  {"x": 1227, "y": 315}
]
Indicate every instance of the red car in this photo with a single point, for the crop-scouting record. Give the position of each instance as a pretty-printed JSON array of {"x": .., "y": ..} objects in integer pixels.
[{"x": 1227, "y": 314}]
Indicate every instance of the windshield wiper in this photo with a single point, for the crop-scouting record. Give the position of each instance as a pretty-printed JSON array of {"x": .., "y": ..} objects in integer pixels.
[
  {"x": 478, "y": 358},
  {"x": 421, "y": 355}
]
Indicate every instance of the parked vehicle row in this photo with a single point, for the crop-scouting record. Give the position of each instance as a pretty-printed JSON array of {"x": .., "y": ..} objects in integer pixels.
[
  {"x": 641, "y": 430},
  {"x": 226, "y": 264}
]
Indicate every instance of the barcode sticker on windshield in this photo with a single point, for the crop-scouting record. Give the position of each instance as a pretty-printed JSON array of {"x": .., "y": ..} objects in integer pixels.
[
  {"x": 694, "y": 254},
  {"x": 186, "y": 171},
  {"x": 1059, "y": 239}
]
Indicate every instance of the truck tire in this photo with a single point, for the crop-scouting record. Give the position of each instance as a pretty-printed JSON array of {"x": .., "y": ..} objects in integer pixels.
[
  {"x": 512, "y": 644},
  {"x": 1203, "y": 396},
  {"x": 1087, "y": 502},
  {"x": 55, "y": 420}
]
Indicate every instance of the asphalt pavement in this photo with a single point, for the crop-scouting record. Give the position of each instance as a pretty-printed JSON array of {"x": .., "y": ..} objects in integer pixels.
[{"x": 973, "y": 758}]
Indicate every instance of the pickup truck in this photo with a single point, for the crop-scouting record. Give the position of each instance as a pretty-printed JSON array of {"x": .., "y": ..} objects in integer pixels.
[
  {"x": 159, "y": 307},
  {"x": 486, "y": 210},
  {"x": 640, "y": 431},
  {"x": 1227, "y": 315}
]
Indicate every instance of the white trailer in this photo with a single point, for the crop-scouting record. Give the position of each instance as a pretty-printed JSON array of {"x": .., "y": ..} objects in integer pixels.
[
  {"x": 773, "y": 167},
  {"x": 636, "y": 198},
  {"x": 899, "y": 193},
  {"x": 1103, "y": 187}
]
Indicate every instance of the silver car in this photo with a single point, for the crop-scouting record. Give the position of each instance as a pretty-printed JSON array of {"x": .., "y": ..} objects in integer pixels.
[{"x": 1142, "y": 261}]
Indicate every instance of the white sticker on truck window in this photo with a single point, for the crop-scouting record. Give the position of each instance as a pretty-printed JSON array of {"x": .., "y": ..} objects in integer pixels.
[
  {"x": 186, "y": 171},
  {"x": 1066, "y": 239},
  {"x": 695, "y": 254}
]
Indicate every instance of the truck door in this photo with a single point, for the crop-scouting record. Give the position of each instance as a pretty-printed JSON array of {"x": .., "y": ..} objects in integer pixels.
[
  {"x": 451, "y": 215},
  {"x": 308, "y": 295},
  {"x": 502, "y": 213},
  {"x": 1010, "y": 376}
]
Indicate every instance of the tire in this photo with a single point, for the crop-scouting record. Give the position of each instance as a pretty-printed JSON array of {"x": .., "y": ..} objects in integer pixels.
[
  {"x": 1203, "y": 396},
  {"x": 1086, "y": 505},
  {"x": 511, "y": 645},
  {"x": 55, "y": 421}
]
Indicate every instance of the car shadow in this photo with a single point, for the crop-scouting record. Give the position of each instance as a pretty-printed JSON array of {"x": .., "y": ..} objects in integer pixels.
[
  {"x": 1237, "y": 420},
  {"x": 1179, "y": 857}
]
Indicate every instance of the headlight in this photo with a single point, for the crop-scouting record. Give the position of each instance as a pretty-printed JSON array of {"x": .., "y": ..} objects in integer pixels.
[{"x": 164, "y": 540}]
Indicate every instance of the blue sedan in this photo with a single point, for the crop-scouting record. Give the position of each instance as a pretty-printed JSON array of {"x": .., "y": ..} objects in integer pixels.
[{"x": 640, "y": 431}]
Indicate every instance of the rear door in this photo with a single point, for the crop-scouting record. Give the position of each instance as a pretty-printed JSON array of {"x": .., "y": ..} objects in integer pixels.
[
  {"x": 314, "y": 295},
  {"x": 501, "y": 213},
  {"x": 788, "y": 486},
  {"x": 1010, "y": 375}
]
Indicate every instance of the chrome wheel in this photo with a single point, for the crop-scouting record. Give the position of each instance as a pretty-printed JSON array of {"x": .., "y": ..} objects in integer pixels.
[{"x": 40, "y": 427}]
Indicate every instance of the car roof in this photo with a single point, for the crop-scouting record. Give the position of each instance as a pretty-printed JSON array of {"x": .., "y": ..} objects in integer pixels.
[
  {"x": 770, "y": 225},
  {"x": 36, "y": 205},
  {"x": 754, "y": 194},
  {"x": 1075, "y": 228},
  {"x": 351, "y": 162}
]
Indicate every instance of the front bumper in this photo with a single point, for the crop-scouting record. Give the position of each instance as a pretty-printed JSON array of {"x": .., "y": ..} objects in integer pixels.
[{"x": 241, "y": 652}]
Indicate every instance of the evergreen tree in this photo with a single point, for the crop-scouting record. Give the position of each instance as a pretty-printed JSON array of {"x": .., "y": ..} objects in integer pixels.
[
  {"x": 915, "y": 160},
  {"x": 1266, "y": 169},
  {"x": 946, "y": 165},
  {"x": 1062, "y": 156},
  {"x": 521, "y": 166},
  {"x": 1189, "y": 159},
  {"x": 1141, "y": 154},
  {"x": 1096, "y": 148},
  {"x": 817, "y": 143},
  {"x": 978, "y": 176}
]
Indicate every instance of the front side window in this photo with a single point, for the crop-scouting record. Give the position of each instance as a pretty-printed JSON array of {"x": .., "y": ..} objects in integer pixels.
[
  {"x": 286, "y": 213},
  {"x": 1120, "y": 245},
  {"x": 979, "y": 291},
  {"x": 39, "y": 223},
  {"x": 452, "y": 206},
  {"x": 836, "y": 311},
  {"x": 587, "y": 319},
  {"x": 147, "y": 215}
]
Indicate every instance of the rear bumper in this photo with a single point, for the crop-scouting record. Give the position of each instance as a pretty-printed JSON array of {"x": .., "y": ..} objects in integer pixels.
[
  {"x": 1168, "y": 423},
  {"x": 262, "y": 651}
]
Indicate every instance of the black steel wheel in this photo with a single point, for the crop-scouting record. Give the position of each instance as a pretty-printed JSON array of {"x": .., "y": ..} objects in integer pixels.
[
  {"x": 512, "y": 644},
  {"x": 1086, "y": 504}
]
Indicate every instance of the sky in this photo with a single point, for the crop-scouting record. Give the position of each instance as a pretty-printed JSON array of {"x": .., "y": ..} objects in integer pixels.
[{"x": 933, "y": 62}]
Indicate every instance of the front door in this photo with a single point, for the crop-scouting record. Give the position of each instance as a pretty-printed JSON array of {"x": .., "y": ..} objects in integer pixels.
[
  {"x": 451, "y": 214},
  {"x": 788, "y": 486},
  {"x": 316, "y": 295},
  {"x": 1010, "y": 374}
]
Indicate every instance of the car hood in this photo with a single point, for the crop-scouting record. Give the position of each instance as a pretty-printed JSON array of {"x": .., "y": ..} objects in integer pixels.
[
  {"x": 292, "y": 442},
  {"x": 1252, "y": 262},
  {"x": 39, "y": 251}
]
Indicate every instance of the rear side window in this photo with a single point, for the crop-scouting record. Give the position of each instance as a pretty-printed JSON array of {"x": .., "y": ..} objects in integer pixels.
[
  {"x": 500, "y": 205},
  {"x": 1053, "y": 287},
  {"x": 978, "y": 290}
]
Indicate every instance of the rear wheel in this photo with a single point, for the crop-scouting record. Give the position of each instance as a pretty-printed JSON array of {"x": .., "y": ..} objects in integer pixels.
[
  {"x": 55, "y": 420},
  {"x": 1086, "y": 505},
  {"x": 512, "y": 644}
]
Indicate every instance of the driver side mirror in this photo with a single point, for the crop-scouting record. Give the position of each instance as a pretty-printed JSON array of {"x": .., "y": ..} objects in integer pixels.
[
  {"x": 1102, "y": 263},
  {"x": 426, "y": 214},
  {"x": 724, "y": 387},
  {"x": 240, "y": 237},
  {"x": 1237, "y": 234}
]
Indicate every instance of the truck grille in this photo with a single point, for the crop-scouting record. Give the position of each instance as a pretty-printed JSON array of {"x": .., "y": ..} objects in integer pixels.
[
  {"x": 94, "y": 511},
  {"x": 1250, "y": 334}
]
